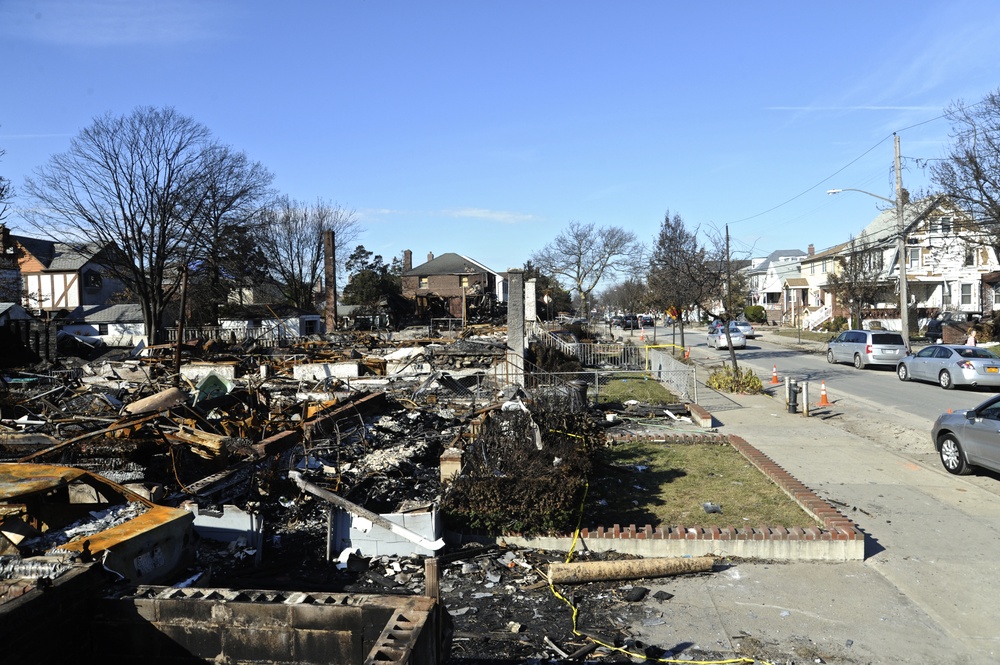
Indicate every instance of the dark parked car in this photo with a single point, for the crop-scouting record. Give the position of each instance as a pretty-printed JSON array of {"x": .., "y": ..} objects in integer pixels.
[{"x": 966, "y": 439}]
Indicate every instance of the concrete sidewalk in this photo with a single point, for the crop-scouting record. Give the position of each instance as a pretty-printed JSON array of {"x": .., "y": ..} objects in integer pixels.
[{"x": 923, "y": 594}]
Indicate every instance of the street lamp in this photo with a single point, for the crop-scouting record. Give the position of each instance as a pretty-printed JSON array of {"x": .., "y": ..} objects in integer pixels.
[{"x": 904, "y": 313}]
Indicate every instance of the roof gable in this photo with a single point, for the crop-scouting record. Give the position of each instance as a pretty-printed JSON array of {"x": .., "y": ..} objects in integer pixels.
[
  {"x": 59, "y": 256},
  {"x": 449, "y": 264}
]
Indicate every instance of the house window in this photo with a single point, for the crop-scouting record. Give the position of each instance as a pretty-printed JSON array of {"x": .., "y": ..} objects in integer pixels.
[
  {"x": 970, "y": 257},
  {"x": 967, "y": 294},
  {"x": 92, "y": 280},
  {"x": 996, "y": 295},
  {"x": 423, "y": 283},
  {"x": 309, "y": 327},
  {"x": 941, "y": 225},
  {"x": 945, "y": 294},
  {"x": 102, "y": 329},
  {"x": 812, "y": 268},
  {"x": 824, "y": 266},
  {"x": 912, "y": 257},
  {"x": 464, "y": 281}
]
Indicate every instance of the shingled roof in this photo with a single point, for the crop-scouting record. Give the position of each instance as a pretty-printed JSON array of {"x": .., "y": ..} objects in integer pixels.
[
  {"x": 449, "y": 264},
  {"x": 59, "y": 256}
]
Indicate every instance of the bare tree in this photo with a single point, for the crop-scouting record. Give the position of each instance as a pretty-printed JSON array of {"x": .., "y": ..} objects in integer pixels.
[
  {"x": 584, "y": 254},
  {"x": 137, "y": 184},
  {"x": 294, "y": 242},
  {"x": 6, "y": 193},
  {"x": 970, "y": 175},
  {"x": 10, "y": 281},
  {"x": 228, "y": 254},
  {"x": 858, "y": 284},
  {"x": 632, "y": 295}
]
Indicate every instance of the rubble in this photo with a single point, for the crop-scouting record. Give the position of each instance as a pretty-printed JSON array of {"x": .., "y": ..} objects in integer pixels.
[{"x": 265, "y": 449}]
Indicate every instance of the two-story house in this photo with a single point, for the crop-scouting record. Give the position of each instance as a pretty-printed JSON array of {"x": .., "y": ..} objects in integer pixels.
[
  {"x": 451, "y": 285},
  {"x": 950, "y": 265},
  {"x": 58, "y": 276},
  {"x": 767, "y": 277}
]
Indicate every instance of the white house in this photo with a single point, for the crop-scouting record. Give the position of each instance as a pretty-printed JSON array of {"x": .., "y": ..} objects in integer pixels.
[
  {"x": 113, "y": 325},
  {"x": 950, "y": 264},
  {"x": 272, "y": 322},
  {"x": 767, "y": 277}
]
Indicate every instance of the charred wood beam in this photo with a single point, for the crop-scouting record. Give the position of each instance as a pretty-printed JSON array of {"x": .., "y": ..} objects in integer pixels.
[{"x": 363, "y": 513}]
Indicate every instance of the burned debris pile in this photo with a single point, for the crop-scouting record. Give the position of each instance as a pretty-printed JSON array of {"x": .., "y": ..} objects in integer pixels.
[
  {"x": 526, "y": 473},
  {"x": 291, "y": 468}
]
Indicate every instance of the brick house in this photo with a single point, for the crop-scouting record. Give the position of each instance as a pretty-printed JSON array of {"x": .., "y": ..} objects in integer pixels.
[{"x": 451, "y": 285}]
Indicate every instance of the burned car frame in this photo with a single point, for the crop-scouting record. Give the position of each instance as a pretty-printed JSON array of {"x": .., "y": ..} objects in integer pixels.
[{"x": 64, "y": 514}]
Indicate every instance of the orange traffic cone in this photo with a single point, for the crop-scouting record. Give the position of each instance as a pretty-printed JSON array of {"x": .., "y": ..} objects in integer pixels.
[
  {"x": 774, "y": 375},
  {"x": 823, "y": 401},
  {"x": 687, "y": 353}
]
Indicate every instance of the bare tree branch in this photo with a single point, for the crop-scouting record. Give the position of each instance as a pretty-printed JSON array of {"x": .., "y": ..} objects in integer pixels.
[
  {"x": 294, "y": 242},
  {"x": 139, "y": 184},
  {"x": 584, "y": 254}
]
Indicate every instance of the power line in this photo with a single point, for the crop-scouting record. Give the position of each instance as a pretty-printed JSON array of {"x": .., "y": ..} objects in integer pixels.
[
  {"x": 809, "y": 189},
  {"x": 841, "y": 169}
]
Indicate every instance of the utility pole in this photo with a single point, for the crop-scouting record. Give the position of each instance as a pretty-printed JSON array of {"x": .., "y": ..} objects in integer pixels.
[
  {"x": 901, "y": 253},
  {"x": 904, "y": 298},
  {"x": 729, "y": 278}
]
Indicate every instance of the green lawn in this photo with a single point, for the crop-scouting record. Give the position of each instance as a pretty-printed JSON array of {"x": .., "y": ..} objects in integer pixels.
[{"x": 666, "y": 484}]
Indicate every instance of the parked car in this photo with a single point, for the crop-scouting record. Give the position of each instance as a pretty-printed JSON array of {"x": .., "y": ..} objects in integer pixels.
[
  {"x": 866, "y": 347},
  {"x": 646, "y": 321},
  {"x": 717, "y": 338},
  {"x": 966, "y": 439},
  {"x": 744, "y": 327},
  {"x": 630, "y": 322},
  {"x": 951, "y": 365}
]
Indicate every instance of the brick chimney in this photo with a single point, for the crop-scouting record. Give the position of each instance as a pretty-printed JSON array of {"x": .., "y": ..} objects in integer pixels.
[
  {"x": 812, "y": 249},
  {"x": 430, "y": 256},
  {"x": 407, "y": 260}
]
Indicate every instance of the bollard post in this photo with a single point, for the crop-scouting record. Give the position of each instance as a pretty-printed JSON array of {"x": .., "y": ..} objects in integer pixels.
[
  {"x": 788, "y": 390},
  {"x": 793, "y": 396},
  {"x": 805, "y": 399}
]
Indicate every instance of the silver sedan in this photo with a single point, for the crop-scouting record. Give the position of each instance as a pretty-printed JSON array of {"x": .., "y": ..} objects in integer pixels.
[
  {"x": 965, "y": 439},
  {"x": 717, "y": 338},
  {"x": 951, "y": 365}
]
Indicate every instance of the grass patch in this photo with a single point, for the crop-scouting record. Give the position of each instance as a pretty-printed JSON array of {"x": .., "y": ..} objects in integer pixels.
[
  {"x": 804, "y": 335},
  {"x": 621, "y": 388},
  {"x": 666, "y": 484}
]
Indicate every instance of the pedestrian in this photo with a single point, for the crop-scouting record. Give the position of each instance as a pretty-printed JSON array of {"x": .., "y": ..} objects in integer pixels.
[
  {"x": 972, "y": 338},
  {"x": 934, "y": 330}
]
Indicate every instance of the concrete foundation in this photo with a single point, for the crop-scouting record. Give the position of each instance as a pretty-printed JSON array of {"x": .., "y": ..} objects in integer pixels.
[{"x": 165, "y": 625}]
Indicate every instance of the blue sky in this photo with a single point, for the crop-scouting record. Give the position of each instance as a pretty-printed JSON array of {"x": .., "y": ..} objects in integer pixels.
[{"x": 485, "y": 128}]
